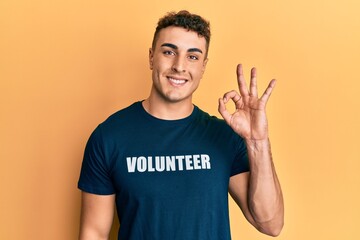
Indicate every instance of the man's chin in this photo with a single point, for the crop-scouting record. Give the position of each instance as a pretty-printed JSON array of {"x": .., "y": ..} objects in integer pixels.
[{"x": 177, "y": 99}]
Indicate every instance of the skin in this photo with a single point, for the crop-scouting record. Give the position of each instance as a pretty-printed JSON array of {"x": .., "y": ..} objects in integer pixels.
[
  {"x": 257, "y": 193},
  {"x": 178, "y": 54},
  {"x": 97, "y": 212},
  {"x": 178, "y": 62}
]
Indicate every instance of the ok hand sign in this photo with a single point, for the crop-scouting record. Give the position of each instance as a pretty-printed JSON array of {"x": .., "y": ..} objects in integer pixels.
[{"x": 249, "y": 119}]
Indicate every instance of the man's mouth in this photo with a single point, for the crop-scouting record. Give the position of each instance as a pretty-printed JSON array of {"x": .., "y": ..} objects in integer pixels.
[{"x": 177, "y": 81}]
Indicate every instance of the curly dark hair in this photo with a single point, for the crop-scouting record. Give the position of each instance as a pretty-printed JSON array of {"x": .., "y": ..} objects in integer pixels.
[{"x": 187, "y": 20}]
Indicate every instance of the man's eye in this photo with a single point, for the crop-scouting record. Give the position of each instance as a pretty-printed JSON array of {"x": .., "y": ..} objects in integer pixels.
[
  {"x": 193, "y": 57},
  {"x": 169, "y": 53}
]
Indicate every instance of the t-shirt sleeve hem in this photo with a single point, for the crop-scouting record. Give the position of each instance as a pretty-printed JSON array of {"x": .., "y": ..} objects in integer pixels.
[
  {"x": 238, "y": 171},
  {"x": 96, "y": 191}
]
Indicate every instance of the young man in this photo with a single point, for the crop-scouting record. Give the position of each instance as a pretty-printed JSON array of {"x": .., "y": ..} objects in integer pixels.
[{"x": 168, "y": 165}]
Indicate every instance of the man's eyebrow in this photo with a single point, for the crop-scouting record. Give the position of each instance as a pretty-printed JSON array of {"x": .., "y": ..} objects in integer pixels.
[
  {"x": 173, "y": 46},
  {"x": 170, "y": 45},
  {"x": 194, "y": 50}
]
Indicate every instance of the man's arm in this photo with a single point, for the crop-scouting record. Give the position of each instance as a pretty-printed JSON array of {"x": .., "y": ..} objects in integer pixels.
[
  {"x": 258, "y": 193},
  {"x": 97, "y": 212}
]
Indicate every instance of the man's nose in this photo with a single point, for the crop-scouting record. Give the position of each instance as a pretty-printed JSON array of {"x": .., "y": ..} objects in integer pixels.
[{"x": 179, "y": 64}]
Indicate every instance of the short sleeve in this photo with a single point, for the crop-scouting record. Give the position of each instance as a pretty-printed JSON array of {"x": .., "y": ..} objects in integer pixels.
[
  {"x": 241, "y": 161},
  {"x": 95, "y": 173}
]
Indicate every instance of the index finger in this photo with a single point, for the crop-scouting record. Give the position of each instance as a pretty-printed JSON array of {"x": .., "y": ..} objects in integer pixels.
[{"x": 223, "y": 111}]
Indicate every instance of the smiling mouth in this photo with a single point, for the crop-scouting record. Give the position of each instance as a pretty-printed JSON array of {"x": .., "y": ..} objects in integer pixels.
[{"x": 177, "y": 82}]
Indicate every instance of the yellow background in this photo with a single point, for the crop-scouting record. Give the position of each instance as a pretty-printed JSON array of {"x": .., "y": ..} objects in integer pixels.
[{"x": 66, "y": 65}]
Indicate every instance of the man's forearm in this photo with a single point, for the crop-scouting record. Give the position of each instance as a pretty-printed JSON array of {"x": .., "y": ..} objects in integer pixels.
[{"x": 265, "y": 198}]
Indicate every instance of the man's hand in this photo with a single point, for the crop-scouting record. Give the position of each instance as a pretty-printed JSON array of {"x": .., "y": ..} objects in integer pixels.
[
  {"x": 249, "y": 119},
  {"x": 257, "y": 193}
]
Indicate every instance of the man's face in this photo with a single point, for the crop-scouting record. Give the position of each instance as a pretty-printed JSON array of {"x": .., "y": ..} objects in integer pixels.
[{"x": 177, "y": 63}]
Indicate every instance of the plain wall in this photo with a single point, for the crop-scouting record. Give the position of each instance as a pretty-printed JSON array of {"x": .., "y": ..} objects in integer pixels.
[{"x": 65, "y": 66}]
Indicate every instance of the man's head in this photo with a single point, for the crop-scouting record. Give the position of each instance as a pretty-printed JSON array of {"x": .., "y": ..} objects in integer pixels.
[
  {"x": 178, "y": 57},
  {"x": 184, "y": 19}
]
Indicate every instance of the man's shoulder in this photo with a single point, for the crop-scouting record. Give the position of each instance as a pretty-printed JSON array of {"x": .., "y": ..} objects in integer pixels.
[
  {"x": 213, "y": 124},
  {"x": 207, "y": 117},
  {"x": 133, "y": 108},
  {"x": 122, "y": 118}
]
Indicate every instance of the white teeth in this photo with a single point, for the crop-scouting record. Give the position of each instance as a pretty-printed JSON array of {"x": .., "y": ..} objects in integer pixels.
[{"x": 176, "y": 81}]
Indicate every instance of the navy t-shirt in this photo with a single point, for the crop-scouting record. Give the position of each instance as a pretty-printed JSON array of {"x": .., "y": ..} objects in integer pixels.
[{"x": 170, "y": 177}]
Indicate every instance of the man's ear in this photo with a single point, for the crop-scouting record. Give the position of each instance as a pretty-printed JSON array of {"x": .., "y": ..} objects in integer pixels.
[
  {"x": 204, "y": 64},
  {"x": 151, "y": 57}
]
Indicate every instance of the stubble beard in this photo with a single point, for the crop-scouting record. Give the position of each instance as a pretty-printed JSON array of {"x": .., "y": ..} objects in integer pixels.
[{"x": 168, "y": 93}]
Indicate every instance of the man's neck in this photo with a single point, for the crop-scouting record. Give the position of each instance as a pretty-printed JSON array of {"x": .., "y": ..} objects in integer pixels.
[{"x": 168, "y": 111}]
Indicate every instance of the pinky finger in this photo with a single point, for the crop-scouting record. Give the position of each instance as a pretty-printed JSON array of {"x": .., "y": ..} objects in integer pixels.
[{"x": 265, "y": 97}]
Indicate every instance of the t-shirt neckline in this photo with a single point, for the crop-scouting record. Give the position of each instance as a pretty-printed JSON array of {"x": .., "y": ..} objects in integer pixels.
[{"x": 165, "y": 121}]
